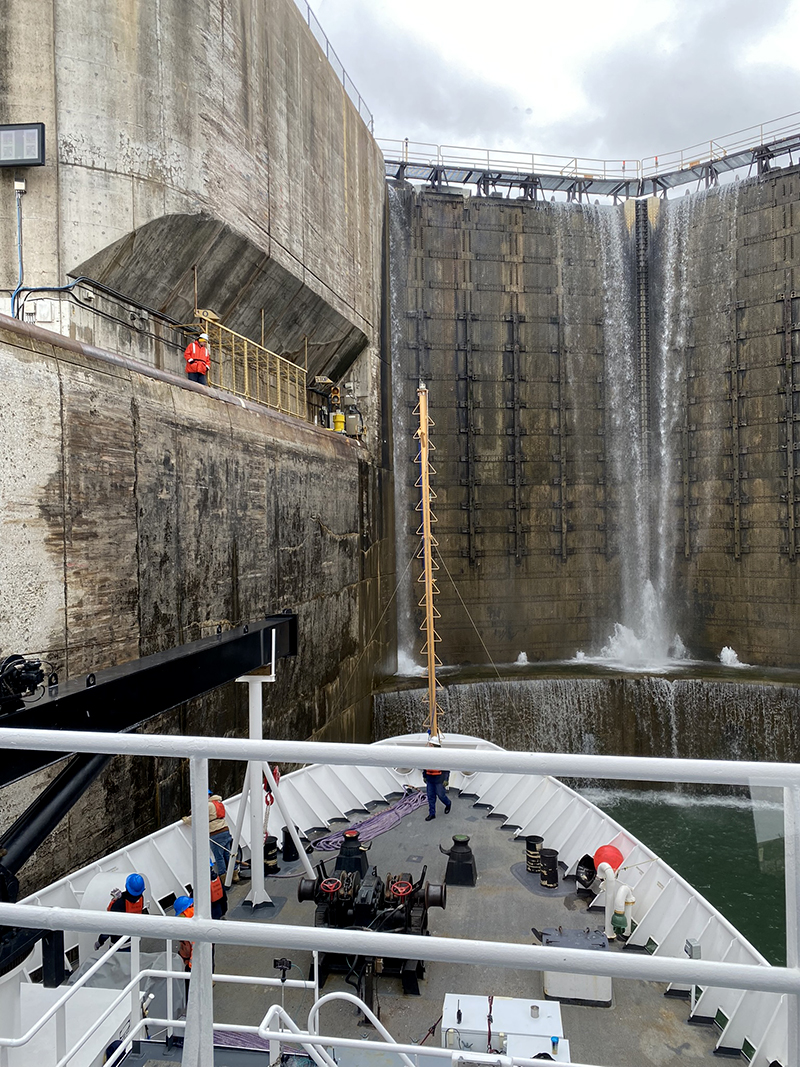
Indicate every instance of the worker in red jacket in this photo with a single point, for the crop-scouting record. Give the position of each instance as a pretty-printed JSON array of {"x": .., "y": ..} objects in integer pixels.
[{"x": 198, "y": 360}]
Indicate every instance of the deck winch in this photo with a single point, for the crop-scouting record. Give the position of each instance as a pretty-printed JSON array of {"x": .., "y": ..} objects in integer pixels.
[{"x": 352, "y": 899}]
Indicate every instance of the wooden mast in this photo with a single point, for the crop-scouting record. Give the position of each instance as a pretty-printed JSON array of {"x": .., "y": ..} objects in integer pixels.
[{"x": 425, "y": 553}]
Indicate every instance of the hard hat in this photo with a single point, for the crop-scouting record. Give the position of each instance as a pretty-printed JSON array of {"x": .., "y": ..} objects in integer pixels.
[
  {"x": 435, "y": 740},
  {"x": 182, "y": 903},
  {"x": 203, "y": 337},
  {"x": 134, "y": 884}
]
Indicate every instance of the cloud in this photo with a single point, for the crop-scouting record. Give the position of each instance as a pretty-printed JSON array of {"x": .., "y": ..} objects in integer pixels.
[
  {"x": 413, "y": 90},
  {"x": 692, "y": 83},
  {"x": 657, "y": 79}
]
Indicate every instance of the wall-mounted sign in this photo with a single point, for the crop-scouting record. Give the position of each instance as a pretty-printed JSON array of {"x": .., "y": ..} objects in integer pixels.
[{"x": 22, "y": 144}]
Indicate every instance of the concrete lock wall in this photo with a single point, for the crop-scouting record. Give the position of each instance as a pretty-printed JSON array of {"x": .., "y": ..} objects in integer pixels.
[
  {"x": 187, "y": 143},
  {"x": 615, "y": 398},
  {"x": 501, "y": 316},
  {"x": 727, "y": 304},
  {"x": 149, "y": 512},
  {"x": 187, "y": 137}
]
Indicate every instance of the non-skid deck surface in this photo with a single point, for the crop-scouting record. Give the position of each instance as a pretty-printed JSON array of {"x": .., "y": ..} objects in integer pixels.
[{"x": 641, "y": 1029}]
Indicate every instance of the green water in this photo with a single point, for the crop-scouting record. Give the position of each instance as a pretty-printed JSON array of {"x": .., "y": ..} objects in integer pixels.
[{"x": 712, "y": 843}]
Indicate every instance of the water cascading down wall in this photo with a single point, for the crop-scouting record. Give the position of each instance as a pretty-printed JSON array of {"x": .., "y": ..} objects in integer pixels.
[{"x": 616, "y": 398}]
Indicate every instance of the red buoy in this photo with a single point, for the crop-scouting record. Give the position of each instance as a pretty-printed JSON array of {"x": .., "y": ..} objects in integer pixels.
[{"x": 609, "y": 854}]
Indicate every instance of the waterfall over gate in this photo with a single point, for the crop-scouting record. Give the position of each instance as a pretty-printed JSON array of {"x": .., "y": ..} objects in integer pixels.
[
  {"x": 632, "y": 716},
  {"x": 614, "y": 392}
]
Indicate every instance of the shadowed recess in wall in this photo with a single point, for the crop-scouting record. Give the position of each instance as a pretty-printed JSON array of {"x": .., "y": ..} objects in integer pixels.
[{"x": 236, "y": 279}]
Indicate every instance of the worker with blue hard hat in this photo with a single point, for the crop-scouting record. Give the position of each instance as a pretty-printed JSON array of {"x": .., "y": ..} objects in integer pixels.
[
  {"x": 130, "y": 901},
  {"x": 183, "y": 904},
  {"x": 184, "y": 907}
]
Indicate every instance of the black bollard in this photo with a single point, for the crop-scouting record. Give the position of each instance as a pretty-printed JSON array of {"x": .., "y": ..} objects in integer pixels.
[
  {"x": 549, "y": 873},
  {"x": 533, "y": 853},
  {"x": 461, "y": 869},
  {"x": 352, "y": 855},
  {"x": 271, "y": 855},
  {"x": 288, "y": 849}
]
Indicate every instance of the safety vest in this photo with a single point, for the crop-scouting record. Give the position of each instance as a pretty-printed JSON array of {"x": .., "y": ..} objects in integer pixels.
[
  {"x": 216, "y": 889},
  {"x": 197, "y": 358},
  {"x": 185, "y": 948},
  {"x": 433, "y": 772},
  {"x": 219, "y": 807},
  {"x": 132, "y": 907}
]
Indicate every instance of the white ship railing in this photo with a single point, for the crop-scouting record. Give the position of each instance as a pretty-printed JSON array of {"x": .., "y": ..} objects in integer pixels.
[{"x": 784, "y": 981}]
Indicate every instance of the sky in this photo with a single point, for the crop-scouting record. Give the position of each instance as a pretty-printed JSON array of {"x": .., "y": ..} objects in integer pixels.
[{"x": 624, "y": 79}]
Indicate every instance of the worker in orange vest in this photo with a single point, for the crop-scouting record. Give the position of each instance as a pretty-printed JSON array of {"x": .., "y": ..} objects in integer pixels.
[
  {"x": 219, "y": 897},
  {"x": 185, "y": 906},
  {"x": 436, "y": 785},
  {"x": 131, "y": 901},
  {"x": 198, "y": 360}
]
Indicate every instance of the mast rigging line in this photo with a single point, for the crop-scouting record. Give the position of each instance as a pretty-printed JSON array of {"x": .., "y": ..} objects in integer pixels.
[
  {"x": 428, "y": 548},
  {"x": 425, "y": 553}
]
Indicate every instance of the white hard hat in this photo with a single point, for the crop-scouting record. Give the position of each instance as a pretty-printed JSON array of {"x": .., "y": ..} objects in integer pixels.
[
  {"x": 203, "y": 337},
  {"x": 436, "y": 740}
]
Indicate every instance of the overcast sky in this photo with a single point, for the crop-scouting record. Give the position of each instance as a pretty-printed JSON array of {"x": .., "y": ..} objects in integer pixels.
[{"x": 613, "y": 80}]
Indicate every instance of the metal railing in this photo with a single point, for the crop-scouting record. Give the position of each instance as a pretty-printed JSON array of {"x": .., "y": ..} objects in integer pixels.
[
  {"x": 404, "y": 150},
  {"x": 204, "y": 930},
  {"x": 524, "y": 162},
  {"x": 338, "y": 67},
  {"x": 708, "y": 151},
  {"x": 246, "y": 369}
]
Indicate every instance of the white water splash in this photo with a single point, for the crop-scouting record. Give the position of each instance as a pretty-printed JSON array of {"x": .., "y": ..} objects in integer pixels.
[
  {"x": 647, "y": 647},
  {"x": 521, "y": 660},
  {"x": 407, "y": 666},
  {"x": 405, "y": 542},
  {"x": 728, "y": 658}
]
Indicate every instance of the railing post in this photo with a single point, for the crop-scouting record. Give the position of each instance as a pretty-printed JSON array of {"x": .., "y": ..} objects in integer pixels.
[
  {"x": 198, "y": 1047},
  {"x": 170, "y": 988},
  {"x": 791, "y": 836},
  {"x": 61, "y": 1032},
  {"x": 257, "y": 894},
  {"x": 136, "y": 967},
  {"x": 246, "y": 371}
]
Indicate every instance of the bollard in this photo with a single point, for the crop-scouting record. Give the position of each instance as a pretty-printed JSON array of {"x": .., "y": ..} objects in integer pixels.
[
  {"x": 533, "y": 853},
  {"x": 461, "y": 868},
  {"x": 352, "y": 854},
  {"x": 549, "y": 872},
  {"x": 271, "y": 855},
  {"x": 288, "y": 848}
]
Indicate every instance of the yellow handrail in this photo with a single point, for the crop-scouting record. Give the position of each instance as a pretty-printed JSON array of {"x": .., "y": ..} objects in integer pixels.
[{"x": 245, "y": 368}]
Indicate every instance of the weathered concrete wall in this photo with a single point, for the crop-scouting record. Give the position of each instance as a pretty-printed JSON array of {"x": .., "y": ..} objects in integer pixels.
[
  {"x": 186, "y": 135},
  {"x": 141, "y": 511},
  {"x": 732, "y": 258},
  {"x": 572, "y": 471},
  {"x": 501, "y": 315}
]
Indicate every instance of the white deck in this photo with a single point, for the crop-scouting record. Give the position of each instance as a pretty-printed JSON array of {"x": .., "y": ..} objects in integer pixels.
[{"x": 667, "y": 910}]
